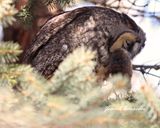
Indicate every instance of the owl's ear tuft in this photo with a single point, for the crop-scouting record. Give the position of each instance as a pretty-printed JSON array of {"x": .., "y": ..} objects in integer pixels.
[{"x": 123, "y": 39}]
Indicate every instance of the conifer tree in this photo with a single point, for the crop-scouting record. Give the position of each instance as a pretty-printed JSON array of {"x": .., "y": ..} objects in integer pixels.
[{"x": 72, "y": 97}]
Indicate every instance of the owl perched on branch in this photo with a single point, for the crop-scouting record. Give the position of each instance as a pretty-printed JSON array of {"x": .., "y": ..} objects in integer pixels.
[{"x": 102, "y": 29}]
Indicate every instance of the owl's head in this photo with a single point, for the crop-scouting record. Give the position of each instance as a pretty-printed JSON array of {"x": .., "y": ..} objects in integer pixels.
[{"x": 129, "y": 36}]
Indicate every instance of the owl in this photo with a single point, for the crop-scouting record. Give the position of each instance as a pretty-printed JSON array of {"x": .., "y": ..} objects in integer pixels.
[{"x": 101, "y": 29}]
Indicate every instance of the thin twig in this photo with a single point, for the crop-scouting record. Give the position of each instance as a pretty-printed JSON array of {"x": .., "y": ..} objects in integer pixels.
[
  {"x": 143, "y": 68},
  {"x": 156, "y": 67}
]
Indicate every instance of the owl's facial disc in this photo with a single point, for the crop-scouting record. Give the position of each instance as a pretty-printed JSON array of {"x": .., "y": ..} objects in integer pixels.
[
  {"x": 129, "y": 41},
  {"x": 128, "y": 46},
  {"x": 125, "y": 40},
  {"x": 132, "y": 47},
  {"x": 134, "y": 43}
]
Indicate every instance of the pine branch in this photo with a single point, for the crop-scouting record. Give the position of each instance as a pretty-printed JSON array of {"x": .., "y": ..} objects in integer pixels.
[
  {"x": 75, "y": 75},
  {"x": 28, "y": 13},
  {"x": 150, "y": 102},
  {"x": 72, "y": 98},
  {"x": 9, "y": 52},
  {"x": 7, "y": 11}
]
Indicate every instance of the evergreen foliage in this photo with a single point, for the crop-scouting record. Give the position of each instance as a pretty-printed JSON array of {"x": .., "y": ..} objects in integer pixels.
[
  {"x": 71, "y": 98},
  {"x": 26, "y": 14},
  {"x": 7, "y": 11}
]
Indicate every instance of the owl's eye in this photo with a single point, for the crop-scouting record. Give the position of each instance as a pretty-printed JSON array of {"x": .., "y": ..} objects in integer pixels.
[{"x": 126, "y": 45}]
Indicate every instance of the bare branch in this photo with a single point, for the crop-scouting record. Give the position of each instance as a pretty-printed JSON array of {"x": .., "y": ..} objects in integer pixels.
[
  {"x": 143, "y": 68},
  {"x": 156, "y": 67}
]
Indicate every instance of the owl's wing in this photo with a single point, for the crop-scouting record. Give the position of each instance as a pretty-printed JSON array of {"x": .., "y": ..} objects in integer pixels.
[{"x": 49, "y": 29}]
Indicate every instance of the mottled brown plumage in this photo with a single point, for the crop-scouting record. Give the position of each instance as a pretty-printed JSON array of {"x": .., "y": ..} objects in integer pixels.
[
  {"x": 95, "y": 27},
  {"x": 118, "y": 62}
]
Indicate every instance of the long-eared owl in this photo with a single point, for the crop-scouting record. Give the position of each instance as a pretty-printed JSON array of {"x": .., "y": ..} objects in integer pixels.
[{"x": 102, "y": 29}]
